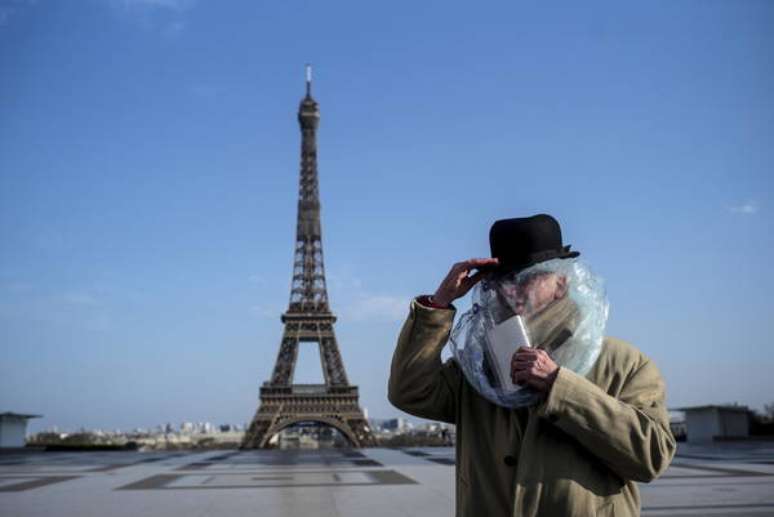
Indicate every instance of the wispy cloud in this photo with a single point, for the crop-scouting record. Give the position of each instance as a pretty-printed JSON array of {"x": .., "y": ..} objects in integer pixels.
[
  {"x": 5, "y": 14},
  {"x": 267, "y": 310},
  {"x": 9, "y": 8},
  {"x": 166, "y": 17},
  {"x": 204, "y": 91},
  {"x": 747, "y": 208},
  {"x": 352, "y": 299},
  {"x": 368, "y": 307},
  {"x": 176, "y": 5},
  {"x": 17, "y": 286},
  {"x": 80, "y": 298},
  {"x": 256, "y": 279},
  {"x": 173, "y": 29},
  {"x": 77, "y": 308},
  {"x": 85, "y": 307}
]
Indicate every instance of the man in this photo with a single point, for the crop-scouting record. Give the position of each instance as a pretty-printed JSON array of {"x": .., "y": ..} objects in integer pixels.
[{"x": 582, "y": 447}]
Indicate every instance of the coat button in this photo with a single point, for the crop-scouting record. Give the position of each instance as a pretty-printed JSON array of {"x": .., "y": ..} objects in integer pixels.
[{"x": 510, "y": 461}]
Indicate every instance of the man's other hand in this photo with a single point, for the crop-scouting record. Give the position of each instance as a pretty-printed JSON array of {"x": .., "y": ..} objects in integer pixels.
[
  {"x": 533, "y": 367},
  {"x": 457, "y": 283}
]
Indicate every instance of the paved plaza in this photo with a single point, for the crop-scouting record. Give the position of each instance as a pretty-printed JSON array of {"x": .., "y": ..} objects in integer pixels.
[{"x": 722, "y": 479}]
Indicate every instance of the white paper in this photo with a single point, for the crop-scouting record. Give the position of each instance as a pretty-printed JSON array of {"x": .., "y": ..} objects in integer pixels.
[{"x": 503, "y": 341}]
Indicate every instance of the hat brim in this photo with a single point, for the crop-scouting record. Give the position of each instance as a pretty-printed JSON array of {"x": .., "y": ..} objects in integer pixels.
[{"x": 507, "y": 267}]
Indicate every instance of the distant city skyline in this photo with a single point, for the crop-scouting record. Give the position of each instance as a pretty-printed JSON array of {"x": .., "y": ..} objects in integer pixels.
[{"x": 149, "y": 168}]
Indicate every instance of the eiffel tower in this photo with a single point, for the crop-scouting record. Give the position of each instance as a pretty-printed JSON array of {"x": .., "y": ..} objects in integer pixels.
[{"x": 308, "y": 319}]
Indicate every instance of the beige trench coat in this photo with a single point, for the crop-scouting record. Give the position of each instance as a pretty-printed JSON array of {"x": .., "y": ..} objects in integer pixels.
[{"x": 576, "y": 453}]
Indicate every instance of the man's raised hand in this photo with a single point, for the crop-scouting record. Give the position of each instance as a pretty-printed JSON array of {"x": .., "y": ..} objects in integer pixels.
[{"x": 458, "y": 282}]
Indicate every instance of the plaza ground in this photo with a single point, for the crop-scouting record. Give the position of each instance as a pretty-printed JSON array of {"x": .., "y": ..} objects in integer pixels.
[{"x": 735, "y": 478}]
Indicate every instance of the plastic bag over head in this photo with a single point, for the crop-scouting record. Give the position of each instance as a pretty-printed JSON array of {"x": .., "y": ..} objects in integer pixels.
[{"x": 558, "y": 305}]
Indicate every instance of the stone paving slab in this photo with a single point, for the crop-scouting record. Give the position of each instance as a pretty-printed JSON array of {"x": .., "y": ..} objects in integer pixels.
[{"x": 717, "y": 480}]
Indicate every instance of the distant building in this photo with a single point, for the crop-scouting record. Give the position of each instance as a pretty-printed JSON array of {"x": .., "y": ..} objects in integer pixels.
[
  {"x": 13, "y": 429},
  {"x": 397, "y": 425},
  {"x": 713, "y": 422},
  {"x": 677, "y": 425},
  {"x": 431, "y": 427}
]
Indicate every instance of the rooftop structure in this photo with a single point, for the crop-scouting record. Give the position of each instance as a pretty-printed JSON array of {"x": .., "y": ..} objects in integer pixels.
[{"x": 13, "y": 429}]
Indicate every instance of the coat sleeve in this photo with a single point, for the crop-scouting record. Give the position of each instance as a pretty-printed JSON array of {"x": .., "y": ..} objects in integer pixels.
[
  {"x": 419, "y": 383},
  {"x": 630, "y": 434}
]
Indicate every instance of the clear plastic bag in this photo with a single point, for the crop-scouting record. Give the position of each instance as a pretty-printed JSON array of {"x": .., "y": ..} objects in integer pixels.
[{"x": 558, "y": 305}]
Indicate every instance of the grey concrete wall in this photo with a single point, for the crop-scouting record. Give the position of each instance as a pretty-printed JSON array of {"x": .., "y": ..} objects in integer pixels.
[
  {"x": 734, "y": 423},
  {"x": 702, "y": 425},
  {"x": 12, "y": 431}
]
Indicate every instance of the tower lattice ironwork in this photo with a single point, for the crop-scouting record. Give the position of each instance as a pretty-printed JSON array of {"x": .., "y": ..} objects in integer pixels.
[{"x": 308, "y": 319}]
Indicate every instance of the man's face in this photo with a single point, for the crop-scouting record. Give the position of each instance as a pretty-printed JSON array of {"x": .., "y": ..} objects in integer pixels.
[{"x": 530, "y": 294}]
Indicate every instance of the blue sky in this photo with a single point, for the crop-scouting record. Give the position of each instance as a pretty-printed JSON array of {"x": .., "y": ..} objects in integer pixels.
[{"x": 149, "y": 164}]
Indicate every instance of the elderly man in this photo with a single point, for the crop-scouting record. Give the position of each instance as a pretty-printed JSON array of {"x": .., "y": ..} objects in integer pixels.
[{"x": 582, "y": 447}]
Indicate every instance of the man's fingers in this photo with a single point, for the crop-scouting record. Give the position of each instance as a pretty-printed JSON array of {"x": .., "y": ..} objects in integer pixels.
[
  {"x": 524, "y": 378},
  {"x": 467, "y": 265},
  {"x": 478, "y": 262},
  {"x": 470, "y": 281},
  {"x": 518, "y": 368},
  {"x": 457, "y": 283}
]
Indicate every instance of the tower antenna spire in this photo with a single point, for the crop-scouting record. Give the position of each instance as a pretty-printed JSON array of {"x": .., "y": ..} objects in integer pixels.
[{"x": 308, "y": 80}]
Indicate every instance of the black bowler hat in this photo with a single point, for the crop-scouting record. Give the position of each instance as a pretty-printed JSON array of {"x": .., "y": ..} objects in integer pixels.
[{"x": 525, "y": 241}]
